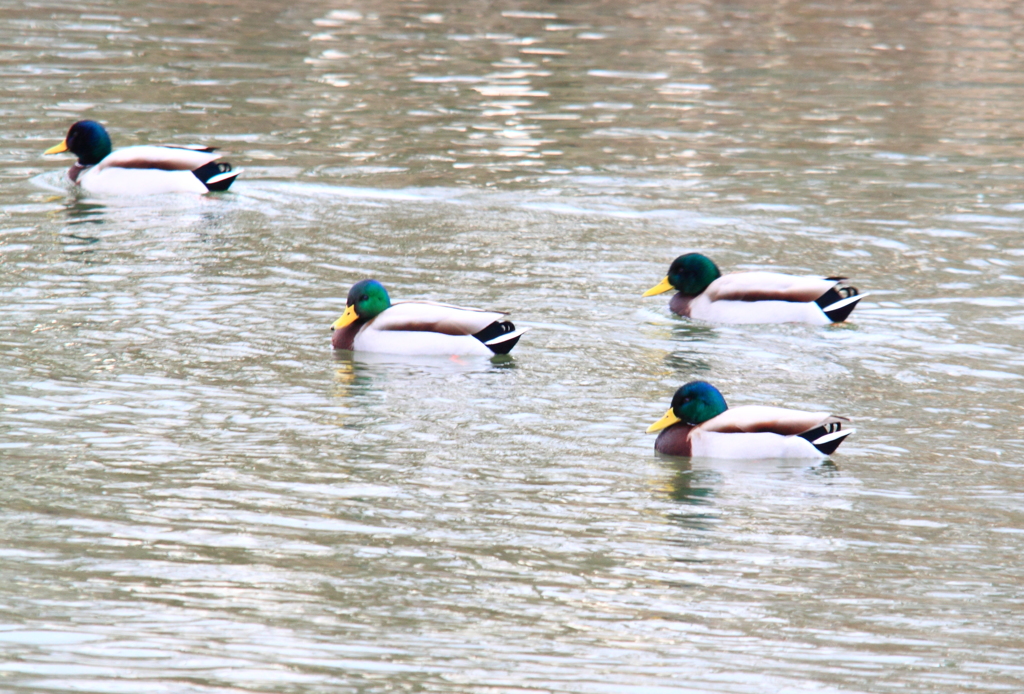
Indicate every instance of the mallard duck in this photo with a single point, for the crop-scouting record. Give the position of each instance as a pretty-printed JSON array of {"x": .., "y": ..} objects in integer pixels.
[
  {"x": 699, "y": 423},
  {"x": 143, "y": 169},
  {"x": 371, "y": 323},
  {"x": 754, "y": 297}
]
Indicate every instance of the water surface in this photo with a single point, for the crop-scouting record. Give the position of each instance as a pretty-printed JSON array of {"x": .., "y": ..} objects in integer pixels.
[{"x": 200, "y": 497}]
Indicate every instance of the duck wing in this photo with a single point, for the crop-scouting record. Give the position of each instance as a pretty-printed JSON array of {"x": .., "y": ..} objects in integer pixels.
[
  {"x": 751, "y": 419},
  {"x": 158, "y": 157},
  {"x": 428, "y": 316},
  {"x": 768, "y": 286}
]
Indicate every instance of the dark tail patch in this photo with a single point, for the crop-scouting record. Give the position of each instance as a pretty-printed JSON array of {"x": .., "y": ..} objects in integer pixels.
[
  {"x": 838, "y": 302},
  {"x": 827, "y": 437},
  {"x": 827, "y": 445},
  {"x": 500, "y": 336},
  {"x": 216, "y": 175}
]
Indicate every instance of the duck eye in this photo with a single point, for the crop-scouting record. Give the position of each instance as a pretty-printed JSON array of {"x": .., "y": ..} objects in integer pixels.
[{"x": 364, "y": 298}]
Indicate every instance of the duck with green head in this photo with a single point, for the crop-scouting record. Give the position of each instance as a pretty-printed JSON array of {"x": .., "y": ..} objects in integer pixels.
[
  {"x": 372, "y": 323},
  {"x": 699, "y": 423},
  {"x": 142, "y": 169},
  {"x": 704, "y": 293}
]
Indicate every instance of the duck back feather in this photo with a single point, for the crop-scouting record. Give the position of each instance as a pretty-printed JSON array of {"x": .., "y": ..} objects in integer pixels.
[
  {"x": 750, "y": 419},
  {"x": 435, "y": 317},
  {"x": 767, "y": 286},
  {"x": 157, "y": 157}
]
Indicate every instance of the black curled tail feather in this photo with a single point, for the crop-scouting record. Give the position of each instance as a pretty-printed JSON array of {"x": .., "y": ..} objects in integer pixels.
[
  {"x": 839, "y": 301},
  {"x": 216, "y": 175},
  {"x": 500, "y": 336},
  {"x": 817, "y": 432}
]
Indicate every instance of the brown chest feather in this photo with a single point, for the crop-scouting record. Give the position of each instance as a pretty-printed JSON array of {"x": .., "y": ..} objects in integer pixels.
[{"x": 675, "y": 440}]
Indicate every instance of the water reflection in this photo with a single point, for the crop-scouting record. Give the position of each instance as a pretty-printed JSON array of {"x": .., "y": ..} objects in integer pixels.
[
  {"x": 372, "y": 364},
  {"x": 686, "y": 330},
  {"x": 827, "y": 469},
  {"x": 82, "y": 212},
  {"x": 685, "y": 363},
  {"x": 349, "y": 381},
  {"x": 77, "y": 243},
  {"x": 687, "y": 484},
  {"x": 375, "y": 387}
]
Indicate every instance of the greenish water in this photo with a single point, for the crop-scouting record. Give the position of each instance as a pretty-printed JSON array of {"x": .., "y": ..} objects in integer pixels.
[{"x": 199, "y": 496}]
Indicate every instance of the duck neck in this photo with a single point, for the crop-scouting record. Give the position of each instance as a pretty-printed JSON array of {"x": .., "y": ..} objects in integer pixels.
[
  {"x": 75, "y": 171},
  {"x": 344, "y": 338}
]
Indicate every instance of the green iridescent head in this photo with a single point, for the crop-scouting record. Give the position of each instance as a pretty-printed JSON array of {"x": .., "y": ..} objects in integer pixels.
[
  {"x": 694, "y": 403},
  {"x": 690, "y": 274},
  {"x": 367, "y": 299},
  {"x": 87, "y": 139}
]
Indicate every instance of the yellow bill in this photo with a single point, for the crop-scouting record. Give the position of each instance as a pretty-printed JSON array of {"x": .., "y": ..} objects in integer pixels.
[
  {"x": 347, "y": 318},
  {"x": 668, "y": 420},
  {"x": 661, "y": 288},
  {"x": 62, "y": 147}
]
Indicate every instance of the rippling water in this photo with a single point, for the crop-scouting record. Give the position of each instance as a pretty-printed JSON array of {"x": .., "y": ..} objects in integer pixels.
[{"x": 200, "y": 497}]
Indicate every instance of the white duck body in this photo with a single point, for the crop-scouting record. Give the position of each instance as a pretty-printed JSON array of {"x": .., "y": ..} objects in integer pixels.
[
  {"x": 755, "y": 431},
  {"x": 422, "y": 328},
  {"x": 146, "y": 170},
  {"x": 758, "y": 297},
  {"x": 709, "y": 444}
]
